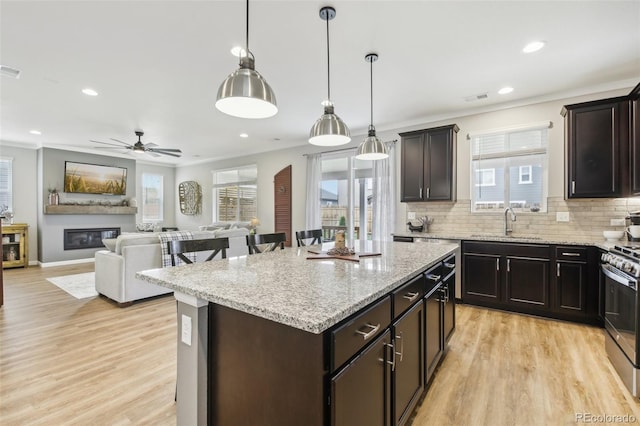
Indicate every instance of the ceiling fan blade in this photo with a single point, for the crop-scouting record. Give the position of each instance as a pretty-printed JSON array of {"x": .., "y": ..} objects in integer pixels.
[
  {"x": 111, "y": 147},
  {"x": 159, "y": 151},
  {"x": 149, "y": 145},
  {"x": 128, "y": 144},
  {"x": 167, "y": 149},
  {"x": 107, "y": 143}
]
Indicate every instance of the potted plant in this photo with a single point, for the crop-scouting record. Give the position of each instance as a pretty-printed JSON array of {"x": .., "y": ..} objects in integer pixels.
[{"x": 54, "y": 197}]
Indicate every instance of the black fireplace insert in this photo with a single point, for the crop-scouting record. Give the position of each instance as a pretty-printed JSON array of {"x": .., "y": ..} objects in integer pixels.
[{"x": 75, "y": 239}]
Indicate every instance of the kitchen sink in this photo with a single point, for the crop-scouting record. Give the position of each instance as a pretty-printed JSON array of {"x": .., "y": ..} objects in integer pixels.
[{"x": 502, "y": 236}]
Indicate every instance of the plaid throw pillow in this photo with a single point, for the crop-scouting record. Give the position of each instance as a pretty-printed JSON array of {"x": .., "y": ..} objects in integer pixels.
[{"x": 171, "y": 236}]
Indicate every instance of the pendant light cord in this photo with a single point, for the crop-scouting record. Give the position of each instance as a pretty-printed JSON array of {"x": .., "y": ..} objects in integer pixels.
[
  {"x": 328, "y": 63},
  {"x": 371, "y": 90},
  {"x": 247, "y": 45}
]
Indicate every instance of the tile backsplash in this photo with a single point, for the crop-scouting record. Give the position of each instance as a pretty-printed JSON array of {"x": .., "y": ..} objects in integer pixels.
[{"x": 587, "y": 218}]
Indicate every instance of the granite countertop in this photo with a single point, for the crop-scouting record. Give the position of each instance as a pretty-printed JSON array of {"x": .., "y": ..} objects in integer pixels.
[
  {"x": 286, "y": 287},
  {"x": 561, "y": 240}
]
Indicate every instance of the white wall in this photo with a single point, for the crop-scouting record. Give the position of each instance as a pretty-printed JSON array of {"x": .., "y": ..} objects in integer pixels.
[
  {"x": 25, "y": 197},
  {"x": 271, "y": 162}
]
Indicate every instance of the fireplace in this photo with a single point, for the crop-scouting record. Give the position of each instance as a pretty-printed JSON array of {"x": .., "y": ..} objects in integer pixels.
[{"x": 75, "y": 239}]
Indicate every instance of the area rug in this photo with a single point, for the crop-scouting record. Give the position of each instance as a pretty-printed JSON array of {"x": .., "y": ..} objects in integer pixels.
[{"x": 79, "y": 286}]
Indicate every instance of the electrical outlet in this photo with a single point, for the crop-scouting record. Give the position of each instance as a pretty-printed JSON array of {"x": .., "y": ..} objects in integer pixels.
[
  {"x": 186, "y": 330},
  {"x": 562, "y": 216},
  {"x": 411, "y": 215},
  {"x": 618, "y": 222}
]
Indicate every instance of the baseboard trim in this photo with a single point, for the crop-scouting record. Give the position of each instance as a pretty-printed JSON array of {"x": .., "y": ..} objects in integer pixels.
[{"x": 65, "y": 262}]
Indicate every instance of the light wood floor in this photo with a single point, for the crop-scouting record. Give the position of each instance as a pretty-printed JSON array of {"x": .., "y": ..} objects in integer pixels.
[{"x": 80, "y": 362}]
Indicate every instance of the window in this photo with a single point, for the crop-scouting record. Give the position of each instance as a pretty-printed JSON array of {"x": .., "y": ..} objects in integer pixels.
[
  {"x": 152, "y": 198},
  {"x": 235, "y": 194},
  {"x": 486, "y": 177},
  {"x": 509, "y": 169},
  {"x": 6, "y": 185},
  {"x": 525, "y": 175}
]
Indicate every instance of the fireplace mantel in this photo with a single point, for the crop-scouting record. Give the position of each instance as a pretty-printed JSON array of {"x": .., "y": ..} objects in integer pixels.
[{"x": 88, "y": 209}]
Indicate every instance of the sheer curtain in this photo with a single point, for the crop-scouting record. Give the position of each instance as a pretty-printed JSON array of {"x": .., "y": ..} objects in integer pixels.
[
  {"x": 384, "y": 196},
  {"x": 313, "y": 218}
]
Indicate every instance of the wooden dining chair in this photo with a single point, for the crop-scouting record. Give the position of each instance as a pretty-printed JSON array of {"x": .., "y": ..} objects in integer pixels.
[
  {"x": 272, "y": 241},
  {"x": 179, "y": 248},
  {"x": 315, "y": 235}
]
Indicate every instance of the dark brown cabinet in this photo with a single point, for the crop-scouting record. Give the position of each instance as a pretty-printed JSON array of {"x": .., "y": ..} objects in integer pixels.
[
  {"x": 553, "y": 281},
  {"x": 361, "y": 391},
  {"x": 408, "y": 376},
  {"x": 428, "y": 169},
  {"x": 635, "y": 142},
  {"x": 597, "y": 148},
  {"x": 434, "y": 341},
  {"x": 449, "y": 309}
]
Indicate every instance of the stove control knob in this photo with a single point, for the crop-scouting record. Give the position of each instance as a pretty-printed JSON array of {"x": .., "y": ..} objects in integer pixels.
[{"x": 627, "y": 266}]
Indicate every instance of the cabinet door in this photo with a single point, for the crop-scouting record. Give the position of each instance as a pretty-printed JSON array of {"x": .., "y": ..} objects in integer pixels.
[
  {"x": 361, "y": 392},
  {"x": 411, "y": 176},
  {"x": 438, "y": 163},
  {"x": 409, "y": 368},
  {"x": 527, "y": 282},
  {"x": 594, "y": 151},
  {"x": 433, "y": 330},
  {"x": 571, "y": 287},
  {"x": 481, "y": 278},
  {"x": 635, "y": 147},
  {"x": 449, "y": 287}
]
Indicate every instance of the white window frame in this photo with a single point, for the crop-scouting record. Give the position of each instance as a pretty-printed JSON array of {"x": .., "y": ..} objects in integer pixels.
[
  {"x": 146, "y": 216},
  {"x": 521, "y": 174},
  {"x": 487, "y": 182},
  {"x": 237, "y": 183},
  {"x": 7, "y": 191},
  {"x": 507, "y": 155}
]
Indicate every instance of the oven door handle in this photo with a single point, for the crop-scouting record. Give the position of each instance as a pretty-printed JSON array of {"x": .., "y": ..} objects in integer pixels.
[{"x": 617, "y": 278}]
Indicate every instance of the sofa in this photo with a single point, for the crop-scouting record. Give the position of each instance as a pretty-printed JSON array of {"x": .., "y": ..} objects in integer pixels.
[{"x": 133, "y": 252}]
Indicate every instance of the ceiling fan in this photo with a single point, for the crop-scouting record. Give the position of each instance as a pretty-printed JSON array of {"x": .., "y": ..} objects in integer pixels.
[{"x": 139, "y": 147}]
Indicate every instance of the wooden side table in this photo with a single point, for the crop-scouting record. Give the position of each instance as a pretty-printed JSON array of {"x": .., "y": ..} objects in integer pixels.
[{"x": 15, "y": 245}]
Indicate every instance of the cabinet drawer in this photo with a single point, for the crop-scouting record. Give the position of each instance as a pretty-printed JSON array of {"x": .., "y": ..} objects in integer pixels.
[
  {"x": 572, "y": 253},
  {"x": 433, "y": 276},
  {"x": 405, "y": 296},
  {"x": 449, "y": 265},
  {"x": 350, "y": 337}
]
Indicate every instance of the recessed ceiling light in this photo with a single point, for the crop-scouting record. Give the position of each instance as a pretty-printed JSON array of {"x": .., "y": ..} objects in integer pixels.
[
  {"x": 244, "y": 135},
  {"x": 89, "y": 92},
  {"x": 534, "y": 46},
  {"x": 35, "y": 132},
  {"x": 238, "y": 51},
  {"x": 505, "y": 90}
]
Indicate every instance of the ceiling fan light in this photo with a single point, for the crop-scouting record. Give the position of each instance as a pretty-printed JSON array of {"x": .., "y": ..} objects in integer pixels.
[
  {"x": 372, "y": 148},
  {"x": 329, "y": 130}
]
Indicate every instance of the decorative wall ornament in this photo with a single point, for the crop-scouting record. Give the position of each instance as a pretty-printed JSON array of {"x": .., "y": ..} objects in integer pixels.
[{"x": 190, "y": 195}]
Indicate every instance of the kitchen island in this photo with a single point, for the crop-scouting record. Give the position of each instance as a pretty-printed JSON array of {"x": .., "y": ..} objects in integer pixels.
[{"x": 262, "y": 338}]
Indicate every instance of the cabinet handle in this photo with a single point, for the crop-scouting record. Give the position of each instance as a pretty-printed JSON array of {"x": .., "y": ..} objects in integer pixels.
[
  {"x": 367, "y": 335},
  {"x": 573, "y": 186},
  {"x": 571, "y": 254},
  {"x": 420, "y": 192},
  {"x": 428, "y": 192},
  {"x": 393, "y": 356},
  {"x": 449, "y": 265},
  {"x": 401, "y": 353},
  {"x": 411, "y": 296},
  {"x": 446, "y": 294},
  {"x": 497, "y": 264},
  {"x": 508, "y": 265},
  {"x": 557, "y": 269},
  {"x": 433, "y": 277}
]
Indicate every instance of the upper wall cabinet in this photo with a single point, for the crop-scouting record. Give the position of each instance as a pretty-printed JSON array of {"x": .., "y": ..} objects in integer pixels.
[
  {"x": 598, "y": 149},
  {"x": 635, "y": 141},
  {"x": 428, "y": 171}
]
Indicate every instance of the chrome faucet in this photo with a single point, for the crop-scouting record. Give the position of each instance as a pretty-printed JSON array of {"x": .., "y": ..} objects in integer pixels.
[{"x": 508, "y": 230}]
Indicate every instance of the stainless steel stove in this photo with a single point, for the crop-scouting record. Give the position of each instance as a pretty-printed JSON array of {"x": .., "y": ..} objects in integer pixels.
[{"x": 621, "y": 269}]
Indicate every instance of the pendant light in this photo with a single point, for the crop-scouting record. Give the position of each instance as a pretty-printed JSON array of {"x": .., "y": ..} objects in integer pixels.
[
  {"x": 372, "y": 148},
  {"x": 245, "y": 93},
  {"x": 329, "y": 130}
]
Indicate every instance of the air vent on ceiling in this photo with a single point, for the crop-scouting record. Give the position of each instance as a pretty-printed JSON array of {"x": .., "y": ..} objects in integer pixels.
[
  {"x": 476, "y": 97},
  {"x": 9, "y": 72}
]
